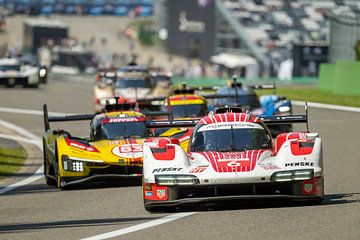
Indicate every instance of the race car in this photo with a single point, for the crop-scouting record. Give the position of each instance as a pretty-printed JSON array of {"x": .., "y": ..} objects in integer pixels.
[
  {"x": 12, "y": 73},
  {"x": 2, "y": 23},
  {"x": 112, "y": 151},
  {"x": 161, "y": 82},
  {"x": 233, "y": 157},
  {"x": 132, "y": 86},
  {"x": 238, "y": 95},
  {"x": 103, "y": 91},
  {"x": 183, "y": 105}
]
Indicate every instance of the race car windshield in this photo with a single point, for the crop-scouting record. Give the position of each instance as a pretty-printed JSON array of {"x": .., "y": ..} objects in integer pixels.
[
  {"x": 133, "y": 83},
  {"x": 189, "y": 110},
  {"x": 4, "y": 68},
  {"x": 250, "y": 100},
  {"x": 122, "y": 130},
  {"x": 230, "y": 140}
]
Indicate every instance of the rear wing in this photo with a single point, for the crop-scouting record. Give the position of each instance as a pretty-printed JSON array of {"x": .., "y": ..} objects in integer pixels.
[
  {"x": 72, "y": 117},
  {"x": 156, "y": 113},
  {"x": 172, "y": 123},
  {"x": 289, "y": 119},
  {"x": 262, "y": 86},
  {"x": 272, "y": 120}
]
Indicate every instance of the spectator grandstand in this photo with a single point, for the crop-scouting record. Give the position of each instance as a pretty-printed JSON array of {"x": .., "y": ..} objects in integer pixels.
[
  {"x": 79, "y": 7},
  {"x": 271, "y": 31},
  {"x": 273, "y": 26}
]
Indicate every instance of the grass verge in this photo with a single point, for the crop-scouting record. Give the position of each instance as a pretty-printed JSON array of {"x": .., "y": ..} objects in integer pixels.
[
  {"x": 11, "y": 160},
  {"x": 312, "y": 94}
]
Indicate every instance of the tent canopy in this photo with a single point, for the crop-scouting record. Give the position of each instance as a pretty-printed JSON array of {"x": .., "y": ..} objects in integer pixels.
[{"x": 233, "y": 61}]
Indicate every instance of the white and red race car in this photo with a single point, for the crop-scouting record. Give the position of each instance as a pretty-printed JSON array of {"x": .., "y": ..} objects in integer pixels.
[{"x": 232, "y": 156}]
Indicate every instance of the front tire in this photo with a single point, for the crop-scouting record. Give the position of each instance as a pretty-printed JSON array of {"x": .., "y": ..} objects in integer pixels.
[
  {"x": 10, "y": 83},
  {"x": 60, "y": 183},
  {"x": 47, "y": 169}
]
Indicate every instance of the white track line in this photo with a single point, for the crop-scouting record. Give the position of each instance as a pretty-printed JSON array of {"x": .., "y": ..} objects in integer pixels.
[
  {"x": 141, "y": 226},
  {"x": 135, "y": 228},
  {"x": 36, "y": 176},
  {"x": 30, "y": 138},
  {"x": 327, "y": 106},
  {"x": 177, "y": 216},
  {"x": 19, "y": 139},
  {"x": 23, "y": 132}
]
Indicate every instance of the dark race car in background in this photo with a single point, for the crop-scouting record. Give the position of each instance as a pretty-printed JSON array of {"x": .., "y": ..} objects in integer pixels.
[
  {"x": 13, "y": 72},
  {"x": 245, "y": 96}
]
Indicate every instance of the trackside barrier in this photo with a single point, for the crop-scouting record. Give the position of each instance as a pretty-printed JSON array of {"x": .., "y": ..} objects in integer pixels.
[
  {"x": 341, "y": 78},
  {"x": 213, "y": 81}
]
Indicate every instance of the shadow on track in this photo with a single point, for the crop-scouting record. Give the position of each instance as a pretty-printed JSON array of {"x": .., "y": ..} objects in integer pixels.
[
  {"x": 330, "y": 199},
  {"x": 22, "y": 227},
  {"x": 43, "y": 188}
]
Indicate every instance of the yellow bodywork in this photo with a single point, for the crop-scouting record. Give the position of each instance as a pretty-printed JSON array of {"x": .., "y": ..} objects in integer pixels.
[
  {"x": 183, "y": 134},
  {"x": 110, "y": 152},
  {"x": 127, "y": 154}
]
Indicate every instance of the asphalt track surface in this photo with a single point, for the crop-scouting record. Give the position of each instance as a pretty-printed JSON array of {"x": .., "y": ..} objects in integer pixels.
[{"x": 37, "y": 211}]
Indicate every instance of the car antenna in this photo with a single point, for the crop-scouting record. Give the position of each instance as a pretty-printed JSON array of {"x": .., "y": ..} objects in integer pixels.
[
  {"x": 274, "y": 85},
  {"x": 236, "y": 90},
  {"x": 228, "y": 91},
  {"x": 169, "y": 108},
  {"x": 307, "y": 117}
]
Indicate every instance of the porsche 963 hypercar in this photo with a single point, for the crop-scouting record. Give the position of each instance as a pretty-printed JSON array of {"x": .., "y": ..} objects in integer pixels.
[{"x": 232, "y": 156}]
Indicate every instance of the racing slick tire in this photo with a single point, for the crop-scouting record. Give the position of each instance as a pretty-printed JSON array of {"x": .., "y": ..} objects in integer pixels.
[
  {"x": 48, "y": 170},
  {"x": 27, "y": 85},
  {"x": 10, "y": 83},
  {"x": 60, "y": 183}
]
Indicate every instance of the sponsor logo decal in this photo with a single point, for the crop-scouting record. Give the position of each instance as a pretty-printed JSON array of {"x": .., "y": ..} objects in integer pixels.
[
  {"x": 128, "y": 151},
  {"x": 299, "y": 164},
  {"x": 198, "y": 169},
  {"x": 308, "y": 187},
  {"x": 157, "y": 170},
  {"x": 81, "y": 146},
  {"x": 161, "y": 193},
  {"x": 270, "y": 167},
  {"x": 228, "y": 125},
  {"x": 117, "y": 120}
]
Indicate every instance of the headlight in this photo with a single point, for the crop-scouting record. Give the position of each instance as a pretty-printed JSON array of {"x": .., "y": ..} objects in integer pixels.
[
  {"x": 176, "y": 180},
  {"x": 284, "y": 109},
  {"x": 42, "y": 72},
  {"x": 72, "y": 165},
  {"x": 295, "y": 175}
]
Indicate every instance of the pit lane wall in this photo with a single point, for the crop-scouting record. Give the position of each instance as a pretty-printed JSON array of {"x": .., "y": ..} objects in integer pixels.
[{"x": 341, "y": 78}]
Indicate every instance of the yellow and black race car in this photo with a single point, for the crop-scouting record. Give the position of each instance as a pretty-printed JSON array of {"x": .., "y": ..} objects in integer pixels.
[
  {"x": 113, "y": 150},
  {"x": 183, "y": 105}
]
